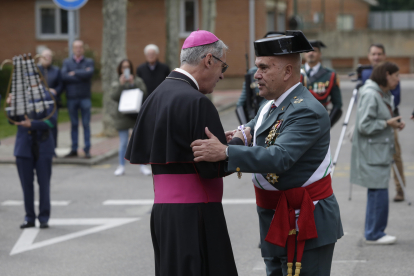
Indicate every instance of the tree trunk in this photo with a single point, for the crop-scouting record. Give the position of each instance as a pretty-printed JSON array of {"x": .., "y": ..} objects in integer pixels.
[
  {"x": 209, "y": 15},
  {"x": 172, "y": 27},
  {"x": 113, "y": 51},
  {"x": 209, "y": 12}
]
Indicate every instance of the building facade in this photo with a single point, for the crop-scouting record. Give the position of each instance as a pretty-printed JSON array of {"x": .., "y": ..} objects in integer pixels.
[{"x": 345, "y": 26}]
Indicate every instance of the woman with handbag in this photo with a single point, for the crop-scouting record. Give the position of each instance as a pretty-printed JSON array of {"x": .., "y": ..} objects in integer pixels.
[
  {"x": 373, "y": 148},
  {"x": 124, "y": 122}
]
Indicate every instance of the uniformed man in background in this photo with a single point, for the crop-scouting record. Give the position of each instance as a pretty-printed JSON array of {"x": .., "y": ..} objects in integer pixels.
[
  {"x": 290, "y": 162},
  {"x": 322, "y": 82}
]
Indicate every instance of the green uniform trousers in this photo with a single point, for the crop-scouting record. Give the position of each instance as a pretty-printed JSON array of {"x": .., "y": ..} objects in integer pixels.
[{"x": 315, "y": 262}]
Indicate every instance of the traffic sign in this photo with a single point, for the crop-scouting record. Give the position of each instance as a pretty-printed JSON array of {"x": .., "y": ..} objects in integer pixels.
[{"x": 70, "y": 5}]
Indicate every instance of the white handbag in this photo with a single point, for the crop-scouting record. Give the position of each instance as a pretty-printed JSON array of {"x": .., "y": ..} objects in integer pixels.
[{"x": 130, "y": 101}]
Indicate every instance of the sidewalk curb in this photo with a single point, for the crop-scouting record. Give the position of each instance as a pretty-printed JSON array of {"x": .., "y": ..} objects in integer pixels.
[{"x": 75, "y": 161}]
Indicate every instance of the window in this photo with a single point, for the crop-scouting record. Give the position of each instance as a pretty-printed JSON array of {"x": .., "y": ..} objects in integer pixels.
[
  {"x": 345, "y": 22},
  {"x": 189, "y": 17},
  {"x": 52, "y": 22}
]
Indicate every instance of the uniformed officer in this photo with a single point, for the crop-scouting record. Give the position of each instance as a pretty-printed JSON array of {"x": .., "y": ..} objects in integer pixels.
[
  {"x": 34, "y": 150},
  {"x": 322, "y": 82},
  {"x": 250, "y": 99},
  {"x": 290, "y": 162}
]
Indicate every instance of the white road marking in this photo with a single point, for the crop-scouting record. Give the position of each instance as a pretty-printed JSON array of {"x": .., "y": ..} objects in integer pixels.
[
  {"x": 129, "y": 202},
  {"x": 20, "y": 203},
  {"x": 239, "y": 201},
  {"x": 262, "y": 266},
  {"x": 151, "y": 201},
  {"x": 25, "y": 242},
  {"x": 349, "y": 261}
]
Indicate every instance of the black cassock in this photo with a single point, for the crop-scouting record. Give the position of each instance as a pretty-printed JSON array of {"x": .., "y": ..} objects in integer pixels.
[{"x": 188, "y": 228}]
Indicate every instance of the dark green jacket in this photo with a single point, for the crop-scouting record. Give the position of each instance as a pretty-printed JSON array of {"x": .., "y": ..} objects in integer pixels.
[
  {"x": 300, "y": 155},
  {"x": 320, "y": 82},
  {"x": 125, "y": 121}
]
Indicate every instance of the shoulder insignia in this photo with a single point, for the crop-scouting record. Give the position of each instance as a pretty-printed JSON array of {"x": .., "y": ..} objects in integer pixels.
[{"x": 298, "y": 101}]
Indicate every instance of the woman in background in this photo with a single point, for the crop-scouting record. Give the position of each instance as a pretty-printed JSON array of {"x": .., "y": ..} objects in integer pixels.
[
  {"x": 123, "y": 122},
  {"x": 373, "y": 148}
]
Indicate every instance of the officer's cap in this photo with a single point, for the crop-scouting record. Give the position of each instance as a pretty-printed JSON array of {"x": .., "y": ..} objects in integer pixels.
[
  {"x": 317, "y": 43},
  {"x": 275, "y": 45}
]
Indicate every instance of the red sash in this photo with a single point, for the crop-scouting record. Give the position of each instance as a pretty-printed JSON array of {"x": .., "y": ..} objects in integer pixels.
[{"x": 283, "y": 225}]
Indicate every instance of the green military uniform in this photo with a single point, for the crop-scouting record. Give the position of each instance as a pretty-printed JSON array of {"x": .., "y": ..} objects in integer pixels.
[
  {"x": 290, "y": 162},
  {"x": 300, "y": 150},
  {"x": 324, "y": 85}
]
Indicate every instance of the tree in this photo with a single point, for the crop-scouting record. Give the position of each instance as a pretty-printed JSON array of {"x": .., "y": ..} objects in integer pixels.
[
  {"x": 209, "y": 15},
  {"x": 209, "y": 11},
  {"x": 172, "y": 28},
  {"x": 113, "y": 51}
]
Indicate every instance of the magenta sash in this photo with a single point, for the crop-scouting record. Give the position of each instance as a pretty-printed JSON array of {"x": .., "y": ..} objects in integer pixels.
[{"x": 187, "y": 188}]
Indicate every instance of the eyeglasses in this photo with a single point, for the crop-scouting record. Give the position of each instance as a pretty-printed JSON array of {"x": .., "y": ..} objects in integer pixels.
[{"x": 224, "y": 68}]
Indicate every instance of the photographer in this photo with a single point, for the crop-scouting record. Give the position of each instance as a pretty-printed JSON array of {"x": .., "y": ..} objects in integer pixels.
[
  {"x": 373, "y": 148},
  {"x": 377, "y": 55}
]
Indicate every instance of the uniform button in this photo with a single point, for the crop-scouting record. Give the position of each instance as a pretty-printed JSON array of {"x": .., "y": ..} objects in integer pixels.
[
  {"x": 238, "y": 169},
  {"x": 295, "y": 97}
]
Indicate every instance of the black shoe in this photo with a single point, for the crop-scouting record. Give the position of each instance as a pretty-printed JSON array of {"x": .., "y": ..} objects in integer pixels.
[
  {"x": 87, "y": 155},
  {"x": 72, "y": 154},
  {"x": 27, "y": 224},
  {"x": 43, "y": 225}
]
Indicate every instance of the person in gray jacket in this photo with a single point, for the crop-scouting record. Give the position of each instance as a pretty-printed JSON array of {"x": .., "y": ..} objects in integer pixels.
[
  {"x": 123, "y": 122},
  {"x": 373, "y": 148}
]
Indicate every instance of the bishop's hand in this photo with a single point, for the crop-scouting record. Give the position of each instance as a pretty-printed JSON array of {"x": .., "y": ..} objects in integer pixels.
[
  {"x": 210, "y": 150},
  {"x": 229, "y": 134}
]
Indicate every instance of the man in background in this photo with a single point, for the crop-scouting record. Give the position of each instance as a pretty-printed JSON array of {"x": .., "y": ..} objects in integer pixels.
[
  {"x": 152, "y": 71},
  {"x": 53, "y": 78},
  {"x": 322, "y": 82},
  {"x": 77, "y": 72},
  {"x": 376, "y": 55}
]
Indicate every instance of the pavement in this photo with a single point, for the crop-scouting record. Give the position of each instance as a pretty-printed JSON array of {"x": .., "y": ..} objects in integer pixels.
[
  {"x": 100, "y": 224},
  {"x": 102, "y": 148}
]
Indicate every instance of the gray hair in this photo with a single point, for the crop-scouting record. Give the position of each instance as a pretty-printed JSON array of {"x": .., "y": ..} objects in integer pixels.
[
  {"x": 151, "y": 47},
  {"x": 192, "y": 56}
]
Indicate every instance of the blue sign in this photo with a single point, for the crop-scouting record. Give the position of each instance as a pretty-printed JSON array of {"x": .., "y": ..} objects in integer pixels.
[{"x": 70, "y": 4}]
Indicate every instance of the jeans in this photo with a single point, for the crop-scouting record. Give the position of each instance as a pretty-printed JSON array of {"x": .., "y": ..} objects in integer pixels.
[
  {"x": 85, "y": 107},
  {"x": 376, "y": 217},
  {"x": 123, "y": 143}
]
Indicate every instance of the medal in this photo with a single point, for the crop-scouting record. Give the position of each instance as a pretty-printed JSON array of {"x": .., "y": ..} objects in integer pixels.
[{"x": 239, "y": 174}]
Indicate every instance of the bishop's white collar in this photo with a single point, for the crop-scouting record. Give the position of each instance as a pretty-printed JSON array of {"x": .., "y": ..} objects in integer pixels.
[{"x": 182, "y": 71}]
